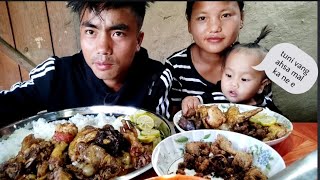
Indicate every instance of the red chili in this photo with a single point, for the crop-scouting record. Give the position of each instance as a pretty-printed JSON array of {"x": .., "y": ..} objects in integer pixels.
[{"x": 61, "y": 136}]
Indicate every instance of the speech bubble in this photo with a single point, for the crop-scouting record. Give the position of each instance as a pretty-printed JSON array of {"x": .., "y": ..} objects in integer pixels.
[{"x": 289, "y": 67}]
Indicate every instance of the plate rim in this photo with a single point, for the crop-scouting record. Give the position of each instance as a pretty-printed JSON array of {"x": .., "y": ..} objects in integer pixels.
[
  {"x": 86, "y": 110},
  {"x": 174, "y": 136},
  {"x": 178, "y": 114}
]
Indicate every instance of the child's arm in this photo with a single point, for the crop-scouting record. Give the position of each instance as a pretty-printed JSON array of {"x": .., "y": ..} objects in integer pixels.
[{"x": 189, "y": 104}]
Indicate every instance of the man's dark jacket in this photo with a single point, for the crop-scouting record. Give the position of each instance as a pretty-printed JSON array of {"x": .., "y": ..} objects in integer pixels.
[{"x": 68, "y": 82}]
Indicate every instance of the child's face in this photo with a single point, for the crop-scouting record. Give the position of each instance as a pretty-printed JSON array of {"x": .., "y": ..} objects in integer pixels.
[
  {"x": 215, "y": 25},
  {"x": 240, "y": 82}
]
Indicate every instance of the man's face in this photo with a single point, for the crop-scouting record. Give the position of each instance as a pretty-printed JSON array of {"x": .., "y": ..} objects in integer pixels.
[{"x": 109, "y": 42}]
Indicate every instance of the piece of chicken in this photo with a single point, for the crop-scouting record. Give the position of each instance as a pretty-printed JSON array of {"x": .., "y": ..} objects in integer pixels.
[
  {"x": 90, "y": 159},
  {"x": 110, "y": 167},
  {"x": 241, "y": 159},
  {"x": 215, "y": 117},
  {"x": 36, "y": 152},
  {"x": 11, "y": 169},
  {"x": 65, "y": 132},
  {"x": 86, "y": 135},
  {"x": 30, "y": 161},
  {"x": 42, "y": 169},
  {"x": 247, "y": 114},
  {"x": 140, "y": 154},
  {"x": 198, "y": 148},
  {"x": 28, "y": 141},
  {"x": 210, "y": 116},
  {"x": 201, "y": 111},
  {"x": 234, "y": 116},
  {"x": 96, "y": 152},
  {"x": 224, "y": 144},
  {"x": 59, "y": 174},
  {"x": 58, "y": 157},
  {"x": 254, "y": 173},
  {"x": 27, "y": 177}
]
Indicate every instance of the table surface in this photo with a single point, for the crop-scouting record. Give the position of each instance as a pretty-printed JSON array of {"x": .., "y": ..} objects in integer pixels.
[{"x": 302, "y": 141}]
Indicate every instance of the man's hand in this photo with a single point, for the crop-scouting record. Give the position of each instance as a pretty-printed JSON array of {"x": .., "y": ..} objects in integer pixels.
[{"x": 188, "y": 105}]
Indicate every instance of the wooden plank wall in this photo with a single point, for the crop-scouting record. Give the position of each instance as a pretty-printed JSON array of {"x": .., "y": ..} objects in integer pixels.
[
  {"x": 7, "y": 66},
  {"x": 38, "y": 30}
]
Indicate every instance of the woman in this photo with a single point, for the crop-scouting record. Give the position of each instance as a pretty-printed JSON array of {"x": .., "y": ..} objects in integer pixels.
[{"x": 197, "y": 69}]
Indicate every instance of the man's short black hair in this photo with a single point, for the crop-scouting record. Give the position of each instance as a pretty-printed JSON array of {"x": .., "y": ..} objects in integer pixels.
[{"x": 138, "y": 7}]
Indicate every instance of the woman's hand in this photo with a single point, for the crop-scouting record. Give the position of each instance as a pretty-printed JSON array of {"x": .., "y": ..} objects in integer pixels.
[{"x": 188, "y": 105}]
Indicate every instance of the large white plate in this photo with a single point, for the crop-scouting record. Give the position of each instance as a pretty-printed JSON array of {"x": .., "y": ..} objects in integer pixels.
[
  {"x": 169, "y": 152},
  {"x": 90, "y": 110},
  {"x": 224, "y": 107}
]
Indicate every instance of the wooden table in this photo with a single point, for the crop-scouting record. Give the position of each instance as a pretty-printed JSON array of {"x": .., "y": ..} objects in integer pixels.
[{"x": 302, "y": 141}]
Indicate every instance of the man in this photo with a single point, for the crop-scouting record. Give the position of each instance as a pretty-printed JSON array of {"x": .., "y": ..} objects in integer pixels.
[{"x": 112, "y": 68}]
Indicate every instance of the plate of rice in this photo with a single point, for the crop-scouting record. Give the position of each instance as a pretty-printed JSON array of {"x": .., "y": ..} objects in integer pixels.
[
  {"x": 88, "y": 142},
  {"x": 265, "y": 125}
]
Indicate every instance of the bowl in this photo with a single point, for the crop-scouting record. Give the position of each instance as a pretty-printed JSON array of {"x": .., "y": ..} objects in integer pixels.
[
  {"x": 169, "y": 152},
  {"x": 114, "y": 111},
  {"x": 224, "y": 107}
]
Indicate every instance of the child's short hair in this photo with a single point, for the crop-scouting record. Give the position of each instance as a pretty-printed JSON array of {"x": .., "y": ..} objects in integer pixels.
[{"x": 252, "y": 46}]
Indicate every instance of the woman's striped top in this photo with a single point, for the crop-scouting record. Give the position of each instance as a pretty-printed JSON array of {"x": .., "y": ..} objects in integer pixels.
[
  {"x": 182, "y": 79},
  {"x": 186, "y": 81}
]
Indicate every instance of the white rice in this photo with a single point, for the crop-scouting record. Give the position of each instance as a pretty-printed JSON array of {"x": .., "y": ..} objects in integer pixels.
[{"x": 41, "y": 129}]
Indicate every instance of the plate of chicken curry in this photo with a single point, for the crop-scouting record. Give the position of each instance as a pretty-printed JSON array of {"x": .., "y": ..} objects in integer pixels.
[
  {"x": 260, "y": 123},
  {"x": 216, "y": 154},
  {"x": 97, "y": 142}
]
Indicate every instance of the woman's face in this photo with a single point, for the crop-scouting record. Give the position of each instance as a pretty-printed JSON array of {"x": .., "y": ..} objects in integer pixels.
[
  {"x": 215, "y": 25},
  {"x": 109, "y": 42}
]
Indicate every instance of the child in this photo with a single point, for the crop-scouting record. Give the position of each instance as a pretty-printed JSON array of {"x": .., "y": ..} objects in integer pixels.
[
  {"x": 240, "y": 83},
  {"x": 197, "y": 69}
]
